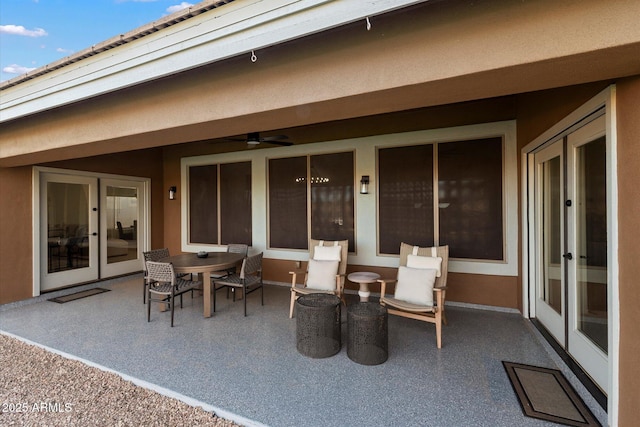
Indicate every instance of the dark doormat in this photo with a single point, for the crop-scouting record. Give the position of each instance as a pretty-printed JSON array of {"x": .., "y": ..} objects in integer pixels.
[
  {"x": 78, "y": 295},
  {"x": 546, "y": 394}
]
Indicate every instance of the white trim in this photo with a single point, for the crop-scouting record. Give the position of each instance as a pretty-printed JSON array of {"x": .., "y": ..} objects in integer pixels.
[
  {"x": 612, "y": 257},
  {"x": 606, "y": 99},
  {"x": 366, "y": 223}
]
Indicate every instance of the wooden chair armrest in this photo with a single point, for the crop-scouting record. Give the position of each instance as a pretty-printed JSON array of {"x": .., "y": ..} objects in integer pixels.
[
  {"x": 383, "y": 285},
  {"x": 294, "y": 276},
  {"x": 439, "y": 288}
]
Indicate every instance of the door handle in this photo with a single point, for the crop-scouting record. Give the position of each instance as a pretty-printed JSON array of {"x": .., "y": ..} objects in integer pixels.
[{"x": 568, "y": 256}]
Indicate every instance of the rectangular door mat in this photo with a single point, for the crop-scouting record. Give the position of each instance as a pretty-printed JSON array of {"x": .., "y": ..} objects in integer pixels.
[
  {"x": 546, "y": 394},
  {"x": 78, "y": 295}
]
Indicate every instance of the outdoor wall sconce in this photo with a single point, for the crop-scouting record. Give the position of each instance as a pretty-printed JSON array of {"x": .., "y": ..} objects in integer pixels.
[
  {"x": 172, "y": 193},
  {"x": 364, "y": 184}
]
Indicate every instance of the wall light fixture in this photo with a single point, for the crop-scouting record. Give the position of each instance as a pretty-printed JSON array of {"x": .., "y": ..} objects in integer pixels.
[{"x": 364, "y": 184}]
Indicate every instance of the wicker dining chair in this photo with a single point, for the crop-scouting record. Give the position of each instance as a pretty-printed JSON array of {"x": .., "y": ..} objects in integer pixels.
[
  {"x": 164, "y": 286},
  {"x": 152, "y": 255},
  {"x": 249, "y": 280}
]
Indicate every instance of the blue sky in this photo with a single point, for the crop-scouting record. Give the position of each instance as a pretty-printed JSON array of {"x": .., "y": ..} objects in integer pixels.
[{"x": 34, "y": 33}]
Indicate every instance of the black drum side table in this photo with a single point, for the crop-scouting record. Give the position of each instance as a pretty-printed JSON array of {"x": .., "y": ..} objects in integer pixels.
[
  {"x": 368, "y": 339},
  {"x": 318, "y": 331}
]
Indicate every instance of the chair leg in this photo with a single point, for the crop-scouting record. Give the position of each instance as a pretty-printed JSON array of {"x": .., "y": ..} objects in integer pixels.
[
  {"x": 213, "y": 289},
  {"x": 262, "y": 292},
  {"x": 148, "y": 306},
  {"x": 173, "y": 306},
  {"x": 244, "y": 297},
  {"x": 144, "y": 291},
  {"x": 439, "y": 329},
  {"x": 293, "y": 301},
  {"x": 444, "y": 315}
]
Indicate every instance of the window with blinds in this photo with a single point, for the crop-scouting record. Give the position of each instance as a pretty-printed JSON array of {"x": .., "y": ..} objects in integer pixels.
[
  {"x": 311, "y": 197},
  {"x": 220, "y": 204},
  {"x": 466, "y": 211}
]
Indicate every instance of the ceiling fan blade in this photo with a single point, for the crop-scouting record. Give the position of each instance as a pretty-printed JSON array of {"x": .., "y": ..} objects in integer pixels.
[
  {"x": 283, "y": 143},
  {"x": 274, "y": 138}
]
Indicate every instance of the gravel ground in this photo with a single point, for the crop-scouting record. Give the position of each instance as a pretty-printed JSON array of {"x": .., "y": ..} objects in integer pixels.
[{"x": 41, "y": 388}]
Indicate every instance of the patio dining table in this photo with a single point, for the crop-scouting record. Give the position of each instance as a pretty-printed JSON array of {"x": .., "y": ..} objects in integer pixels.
[{"x": 215, "y": 261}]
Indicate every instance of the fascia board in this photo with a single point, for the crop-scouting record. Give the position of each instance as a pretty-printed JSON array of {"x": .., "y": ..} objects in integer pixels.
[{"x": 237, "y": 28}]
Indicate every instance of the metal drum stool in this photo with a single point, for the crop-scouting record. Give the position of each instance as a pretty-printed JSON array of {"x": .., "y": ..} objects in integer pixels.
[
  {"x": 318, "y": 325},
  {"x": 368, "y": 340}
]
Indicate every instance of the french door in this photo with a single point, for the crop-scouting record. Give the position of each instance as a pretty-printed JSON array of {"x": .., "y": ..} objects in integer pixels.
[
  {"x": 91, "y": 227},
  {"x": 588, "y": 323},
  {"x": 122, "y": 222},
  {"x": 571, "y": 286},
  {"x": 68, "y": 230}
]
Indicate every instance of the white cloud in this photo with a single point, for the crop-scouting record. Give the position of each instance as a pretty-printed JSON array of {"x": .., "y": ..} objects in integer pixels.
[
  {"x": 63, "y": 50},
  {"x": 178, "y": 7},
  {"x": 17, "y": 69},
  {"x": 19, "y": 30}
]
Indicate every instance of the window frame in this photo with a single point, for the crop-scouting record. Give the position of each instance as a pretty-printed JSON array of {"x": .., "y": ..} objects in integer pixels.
[
  {"x": 507, "y": 131},
  {"x": 207, "y": 160},
  {"x": 307, "y": 156},
  {"x": 436, "y": 226}
]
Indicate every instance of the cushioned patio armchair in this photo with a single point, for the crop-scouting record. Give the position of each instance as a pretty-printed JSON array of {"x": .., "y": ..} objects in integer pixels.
[
  {"x": 325, "y": 271},
  {"x": 420, "y": 286}
]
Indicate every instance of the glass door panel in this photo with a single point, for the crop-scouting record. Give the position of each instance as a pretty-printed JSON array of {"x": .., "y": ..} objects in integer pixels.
[
  {"x": 591, "y": 241},
  {"x": 550, "y": 288},
  {"x": 551, "y": 234},
  {"x": 122, "y": 223},
  {"x": 122, "y": 210},
  {"x": 588, "y": 322},
  {"x": 69, "y": 237}
]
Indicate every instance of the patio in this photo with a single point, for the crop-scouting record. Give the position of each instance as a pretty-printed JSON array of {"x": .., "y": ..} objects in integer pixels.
[{"x": 249, "y": 369}]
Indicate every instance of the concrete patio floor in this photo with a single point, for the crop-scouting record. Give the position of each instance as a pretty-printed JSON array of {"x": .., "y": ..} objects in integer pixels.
[{"x": 248, "y": 369}]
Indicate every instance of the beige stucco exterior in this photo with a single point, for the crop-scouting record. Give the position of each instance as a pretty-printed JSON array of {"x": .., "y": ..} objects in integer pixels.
[{"x": 434, "y": 65}]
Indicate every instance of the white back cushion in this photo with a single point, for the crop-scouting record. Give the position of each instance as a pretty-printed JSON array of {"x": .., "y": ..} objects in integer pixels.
[
  {"x": 415, "y": 285},
  {"x": 416, "y": 261},
  {"x": 327, "y": 253},
  {"x": 322, "y": 275}
]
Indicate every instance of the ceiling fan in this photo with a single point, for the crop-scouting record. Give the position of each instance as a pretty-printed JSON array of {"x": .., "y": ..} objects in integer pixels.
[{"x": 253, "y": 139}]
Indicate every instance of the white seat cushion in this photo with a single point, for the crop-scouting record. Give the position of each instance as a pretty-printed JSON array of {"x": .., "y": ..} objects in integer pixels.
[
  {"x": 327, "y": 253},
  {"x": 417, "y": 261},
  {"x": 415, "y": 285},
  {"x": 322, "y": 275}
]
